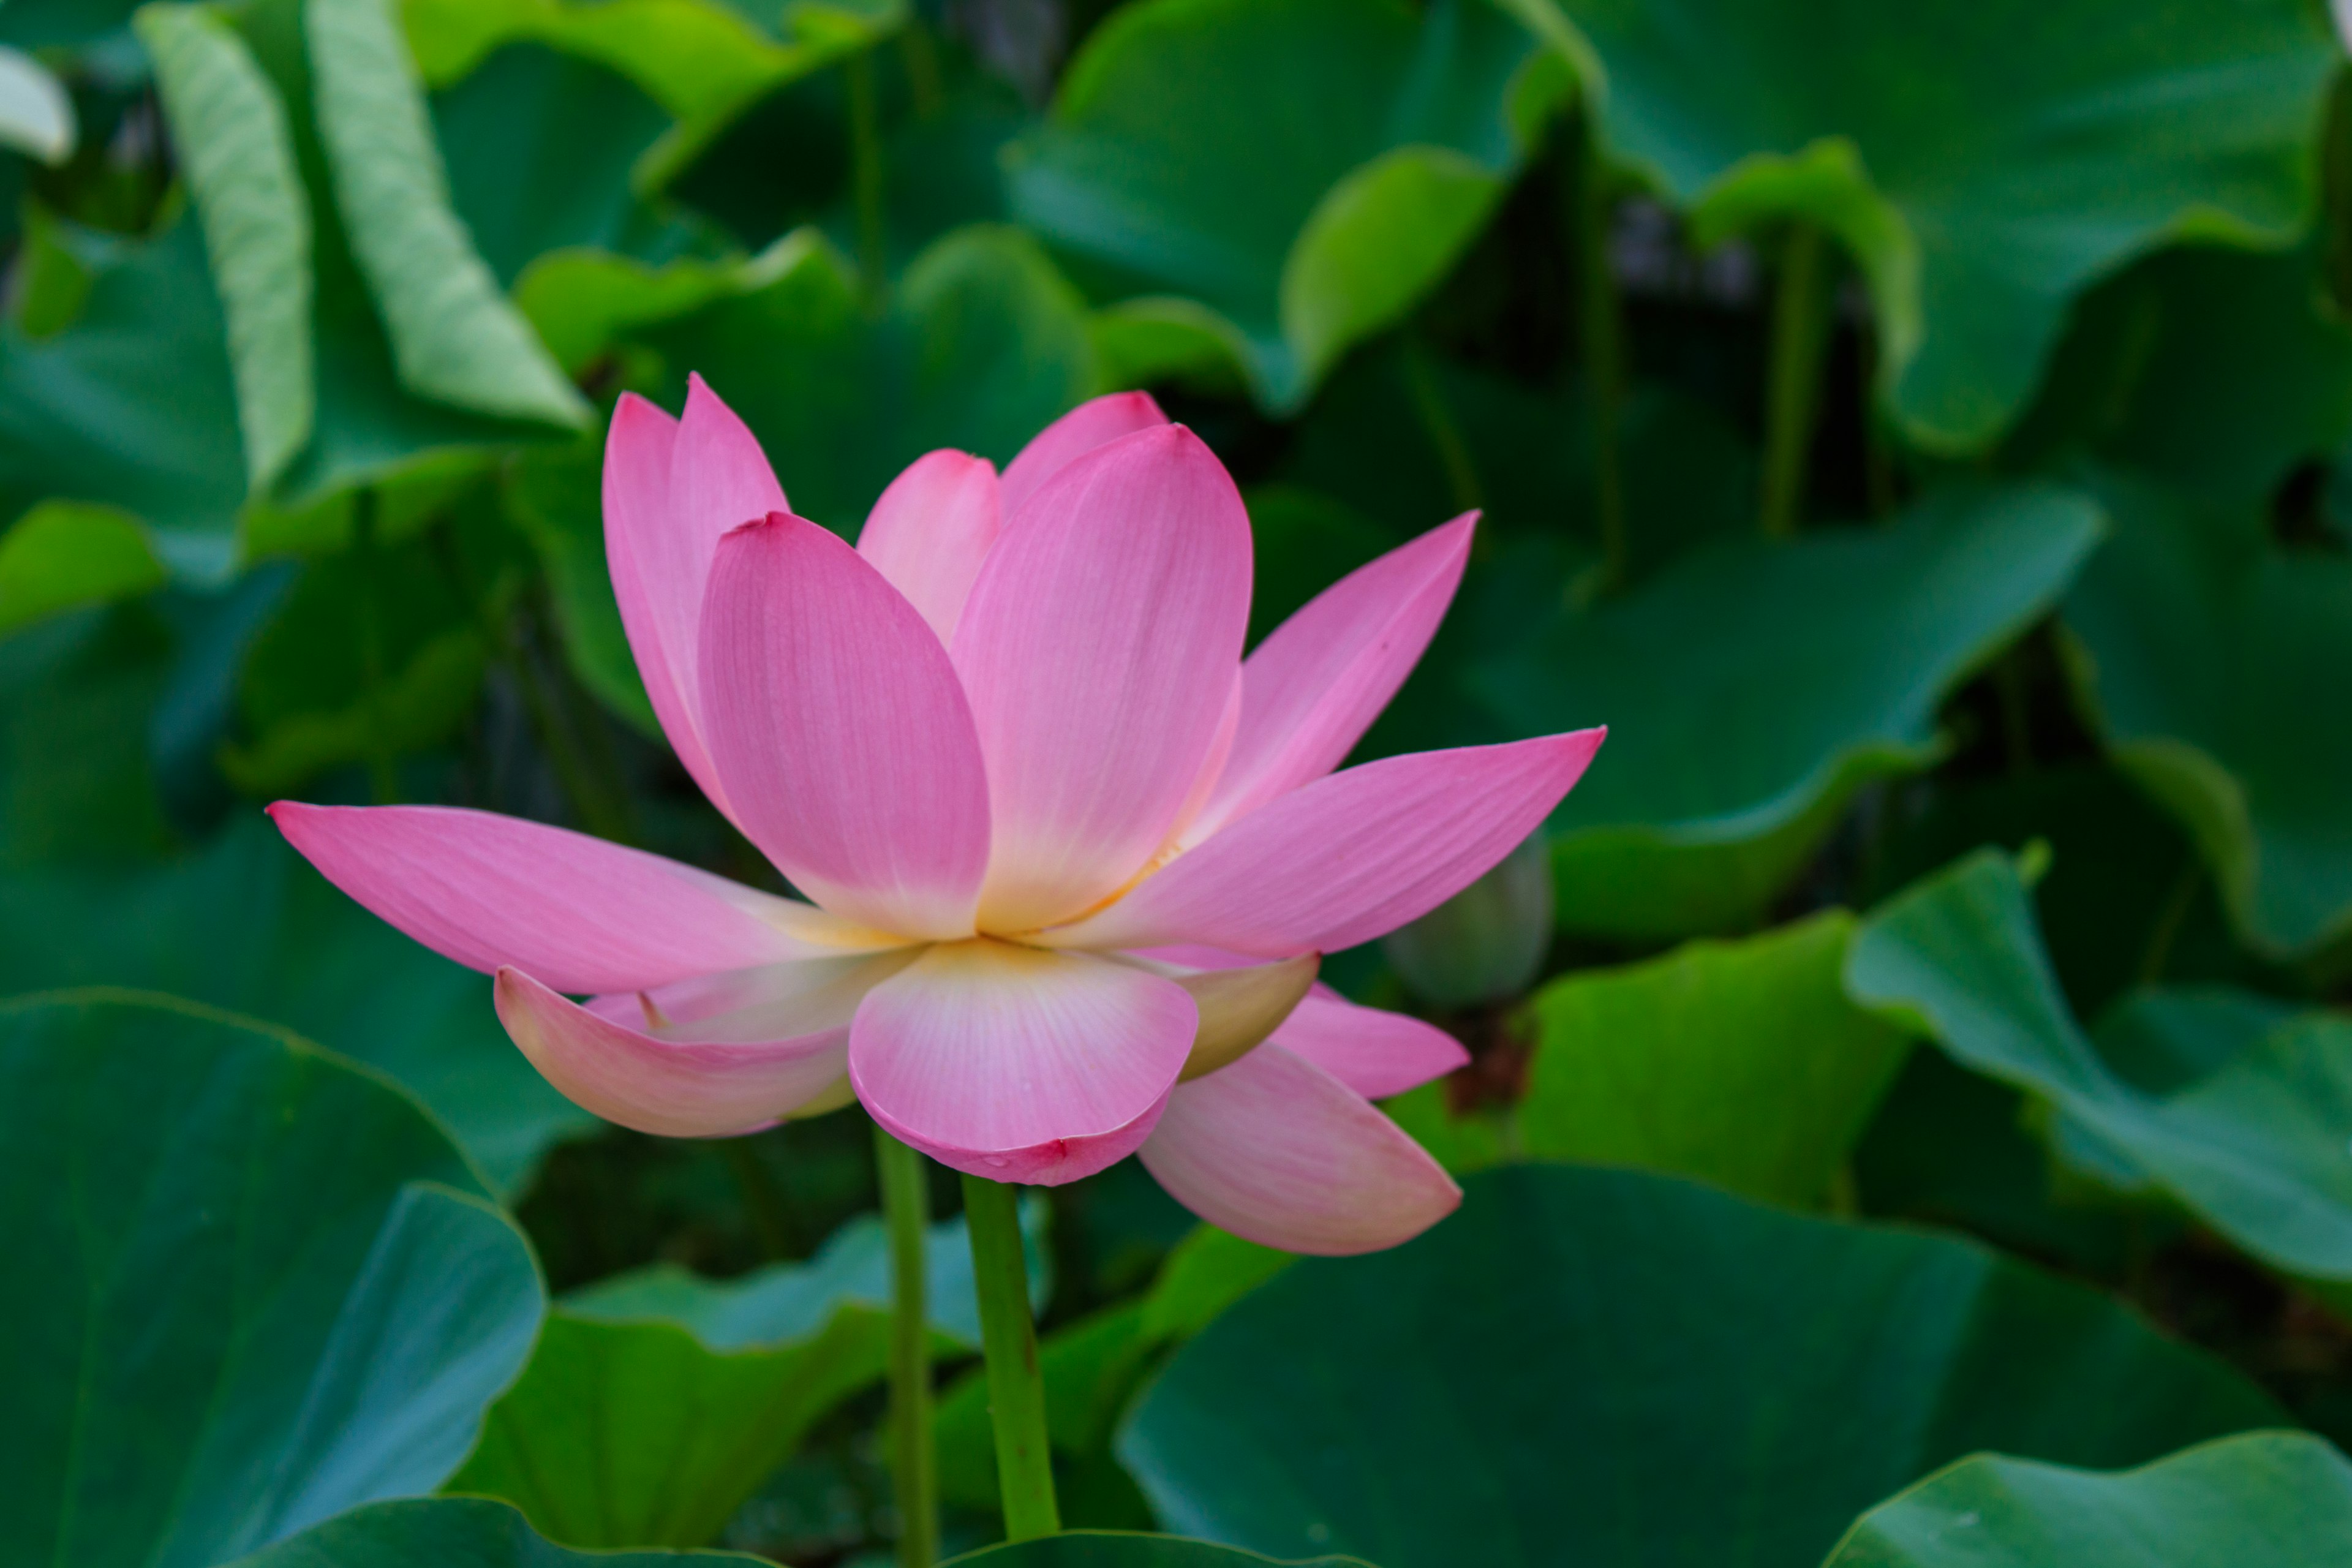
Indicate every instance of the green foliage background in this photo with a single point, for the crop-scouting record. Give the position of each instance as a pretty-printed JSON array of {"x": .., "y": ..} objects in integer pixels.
[{"x": 1922, "y": 434}]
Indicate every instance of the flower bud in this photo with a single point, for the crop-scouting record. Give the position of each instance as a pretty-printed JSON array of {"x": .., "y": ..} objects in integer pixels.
[{"x": 1487, "y": 943}]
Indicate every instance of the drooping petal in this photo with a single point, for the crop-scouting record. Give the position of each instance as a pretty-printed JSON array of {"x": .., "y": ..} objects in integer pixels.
[
  {"x": 932, "y": 530},
  {"x": 671, "y": 1086},
  {"x": 1090, "y": 425},
  {"x": 1018, "y": 1064},
  {"x": 1374, "y": 1052},
  {"x": 583, "y": 914},
  {"x": 1311, "y": 689},
  {"x": 1277, "y": 1150},
  {"x": 672, "y": 487},
  {"x": 841, "y": 733},
  {"x": 1348, "y": 858},
  {"x": 1099, "y": 647}
]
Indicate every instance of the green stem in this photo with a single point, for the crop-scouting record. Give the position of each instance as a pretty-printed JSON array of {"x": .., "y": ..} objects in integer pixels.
[
  {"x": 1602, "y": 328},
  {"x": 1793, "y": 396},
  {"x": 1016, "y": 1393},
  {"x": 866, "y": 175},
  {"x": 914, "y": 1465},
  {"x": 770, "y": 1216},
  {"x": 384, "y": 781},
  {"x": 921, "y": 58}
]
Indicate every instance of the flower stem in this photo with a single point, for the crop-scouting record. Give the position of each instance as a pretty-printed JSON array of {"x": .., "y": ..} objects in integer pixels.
[
  {"x": 866, "y": 177},
  {"x": 1016, "y": 1393},
  {"x": 914, "y": 1469},
  {"x": 383, "y": 780},
  {"x": 1792, "y": 398}
]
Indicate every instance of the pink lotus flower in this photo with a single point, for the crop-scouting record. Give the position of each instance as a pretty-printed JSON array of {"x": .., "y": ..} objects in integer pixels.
[{"x": 1070, "y": 857}]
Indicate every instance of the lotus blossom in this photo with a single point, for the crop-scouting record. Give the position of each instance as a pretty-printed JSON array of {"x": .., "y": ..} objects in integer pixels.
[{"x": 1068, "y": 857}]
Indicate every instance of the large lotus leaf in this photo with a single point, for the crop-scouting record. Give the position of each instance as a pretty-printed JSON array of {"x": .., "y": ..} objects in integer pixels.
[
  {"x": 1741, "y": 1063},
  {"x": 254, "y": 1286},
  {"x": 641, "y": 1435},
  {"x": 131, "y": 407},
  {"x": 2210, "y": 659},
  {"x": 1282, "y": 180},
  {"x": 2255, "y": 1149},
  {"x": 1982, "y": 163},
  {"x": 1751, "y": 688},
  {"x": 983, "y": 345},
  {"x": 2215, "y": 369},
  {"x": 77, "y": 778},
  {"x": 444, "y": 1533},
  {"x": 1588, "y": 1367},
  {"x": 2267, "y": 1499},
  {"x": 704, "y": 62},
  {"x": 1119, "y": 1549},
  {"x": 248, "y": 924}
]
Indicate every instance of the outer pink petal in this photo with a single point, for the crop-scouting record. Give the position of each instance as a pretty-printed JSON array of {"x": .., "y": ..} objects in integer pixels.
[
  {"x": 1348, "y": 858},
  {"x": 841, "y": 733},
  {"x": 1018, "y": 1064},
  {"x": 672, "y": 487},
  {"x": 1311, "y": 689},
  {"x": 491, "y": 890},
  {"x": 1074, "y": 434},
  {"x": 932, "y": 530},
  {"x": 1099, "y": 647},
  {"x": 774, "y": 1002},
  {"x": 676, "y": 1088},
  {"x": 1372, "y": 1051},
  {"x": 1278, "y": 1151}
]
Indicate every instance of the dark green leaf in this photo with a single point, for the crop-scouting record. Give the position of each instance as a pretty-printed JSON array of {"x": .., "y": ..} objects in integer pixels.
[
  {"x": 1115, "y": 1549},
  {"x": 257, "y": 1285},
  {"x": 444, "y": 1533},
  {"x": 1597, "y": 1367},
  {"x": 2268, "y": 1500}
]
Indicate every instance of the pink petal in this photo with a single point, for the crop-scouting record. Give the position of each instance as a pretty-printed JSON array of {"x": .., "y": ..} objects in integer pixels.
[
  {"x": 1313, "y": 688},
  {"x": 1372, "y": 1051},
  {"x": 1081, "y": 430},
  {"x": 1018, "y": 1064},
  {"x": 1350, "y": 857},
  {"x": 841, "y": 733},
  {"x": 772, "y": 1002},
  {"x": 671, "y": 488},
  {"x": 932, "y": 530},
  {"x": 1277, "y": 1151},
  {"x": 673, "y": 1087},
  {"x": 1099, "y": 647},
  {"x": 490, "y": 890}
]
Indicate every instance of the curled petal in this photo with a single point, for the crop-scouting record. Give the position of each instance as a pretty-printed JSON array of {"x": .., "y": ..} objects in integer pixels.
[
  {"x": 1089, "y": 424},
  {"x": 932, "y": 530},
  {"x": 672, "y": 487},
  {"x": 1240, "y": 1007},
  {"x": 841, "y": 733},
  {"x": 1099, "y": 647},
  {"x": 490, "y": 890},
  {"x": 1311, "y": 689},
  {"x": 1348, "y": 858},
  {"x": 1018, "y": 1064},
  {"x": 1277, "y": 1151},
  {"x": 1374, "y": 1052},
  {"x": 674, "y": 1088}
]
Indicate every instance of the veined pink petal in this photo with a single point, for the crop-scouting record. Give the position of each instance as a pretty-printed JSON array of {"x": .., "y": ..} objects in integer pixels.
[
  {"x": 772, "y": 1002},
  {"x": 1090, "y": 425},
  {"x": 1348, "y": 858},
  {"x": 1099, "y": 647},
  {"x": 671, "y": 488},
  {"x": 490, "y": 890},
  {"x": 1277, "y": 1150},
  {"x": 932, "y": 530},
  {"x": 1311, "y": 689},
  {"x": 1018, "y": 1064},
  {"x": 1374, "y": 1052},
  {"x": 674, "y": 1088},
  {"x": 841, "y": 733}
]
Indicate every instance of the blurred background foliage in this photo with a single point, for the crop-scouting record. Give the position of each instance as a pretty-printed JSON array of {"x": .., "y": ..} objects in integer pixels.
[{"x": 1922, "y": 434}]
